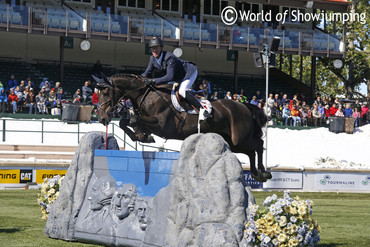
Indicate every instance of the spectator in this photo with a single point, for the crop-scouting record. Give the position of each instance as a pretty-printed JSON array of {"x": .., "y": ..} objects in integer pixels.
[
  {"x": 3, "y": 100},
  {"x": 41, "y": 103},
  {"x": 31, "y": 102},
  {"x": 364, "y": 113},
  {"x": 228, "y": 95},
  {"x": 61, "y": 97},
  {"x": 77, "y": 96},
  {"x": 324, "y": 101},
  {"x": 309, "y": 114},
  {"x": 52, "y": 99},
  {"x": 12, "y": 83},
  {"x": 356, "y": 115},
  {"x": 348, "y": 112},
  {"x": 258, "y": 95},
  {"x": 20, "y": 95},
  {"x": 284, "y": 100},
  {"x": 29, "y": 82},
  {"x": 287, "y": 115},
  {"x": 357, "y": 105},
  {"x": 267, "y": 111},
  {"x": 318, "y": 100},
  {"x": 235, "y": 97},
  {"x": 316, "y": 115},
  {"x": 339, "y": 113},
  {"x": 327, "y": 111},
  {"x": 242, "y": 98},
  {"x": 278, "y": 100},
  {"x": 95, "y": 98},
  {"x": 207, "y": 89},
  {"x": 214, "y": 96},
  {"x": 44, "y": 80},
  {"x": 276, "y": 110},
  {"x": 57, "y": 86},
  {"x": 13, "y": 99},
  {"x": 47, "y": 87},
  {"x": 22, "y": 86},
  {"x": 254, "y": 101},
  {"x": 270, "y": 101},
  {"x": 87, "y": 92},
  {"x": 303, "y": 115},
  {"x": 333, "y": 109},
  {"x": 322, "y": 111},
  {"x": 97, "y": 69},
  {"x": 295, "y": 115}
]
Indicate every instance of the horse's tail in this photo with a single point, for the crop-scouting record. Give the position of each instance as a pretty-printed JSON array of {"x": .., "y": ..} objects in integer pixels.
[{"x": 259, "y": 119}]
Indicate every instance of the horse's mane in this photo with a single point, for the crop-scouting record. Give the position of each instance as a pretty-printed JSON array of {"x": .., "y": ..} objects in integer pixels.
[{"x": 126, "y": 75}]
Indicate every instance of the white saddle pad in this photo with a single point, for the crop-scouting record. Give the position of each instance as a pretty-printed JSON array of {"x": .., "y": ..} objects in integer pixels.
[{"x": 205, "y": 103}]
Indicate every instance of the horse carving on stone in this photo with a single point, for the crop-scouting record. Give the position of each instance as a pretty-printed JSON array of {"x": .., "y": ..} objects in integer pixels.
[{"x": 238, "y": 123}]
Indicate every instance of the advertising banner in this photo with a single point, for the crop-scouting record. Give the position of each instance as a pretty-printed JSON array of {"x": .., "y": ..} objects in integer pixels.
[
  {"x": 25, "y": 176},
  {"x": 9, "y": 176},
  {"x": 42, "y": 174},
  {"x": 250, "y": 181},
  {"x": 342, "y": 181},
  {"x": 285, "y": 180}
]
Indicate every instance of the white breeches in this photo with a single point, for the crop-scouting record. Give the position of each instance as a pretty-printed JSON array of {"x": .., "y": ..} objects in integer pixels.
[{"x": 186, "y": 85}]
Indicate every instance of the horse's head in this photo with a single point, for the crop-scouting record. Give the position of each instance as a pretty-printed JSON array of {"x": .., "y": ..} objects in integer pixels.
[
  {"x": 113, "y": 90},
  {"x": 107, "y": 100}
]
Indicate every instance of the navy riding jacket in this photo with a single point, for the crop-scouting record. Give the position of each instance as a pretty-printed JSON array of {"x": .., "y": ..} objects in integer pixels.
[{"x": 173, "y": 68}]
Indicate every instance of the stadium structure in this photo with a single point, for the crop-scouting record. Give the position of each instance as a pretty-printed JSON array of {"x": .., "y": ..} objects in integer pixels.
[{"x": 48, "y": 39}]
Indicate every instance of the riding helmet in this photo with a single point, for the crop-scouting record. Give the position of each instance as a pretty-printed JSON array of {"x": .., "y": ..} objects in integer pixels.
[{"x": 155, "y": 41}]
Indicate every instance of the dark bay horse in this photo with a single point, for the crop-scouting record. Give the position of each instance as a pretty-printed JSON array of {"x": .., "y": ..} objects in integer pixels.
[{"x": 239, "y": 124}]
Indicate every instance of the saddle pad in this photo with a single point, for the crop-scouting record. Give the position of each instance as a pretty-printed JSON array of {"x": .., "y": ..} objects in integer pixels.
[{"x": 205, "y": 103}]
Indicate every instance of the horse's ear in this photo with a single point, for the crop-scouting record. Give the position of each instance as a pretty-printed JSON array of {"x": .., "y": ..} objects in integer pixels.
[
  {"x": 98, "y": 80},
  {"x": 103, "y": 85}
]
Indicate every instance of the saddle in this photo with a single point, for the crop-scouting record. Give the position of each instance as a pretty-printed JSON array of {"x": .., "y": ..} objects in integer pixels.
[{"x": 182, "y": 106}]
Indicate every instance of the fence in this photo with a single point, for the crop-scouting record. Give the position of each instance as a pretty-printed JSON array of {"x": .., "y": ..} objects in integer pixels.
[{"x": 55, "y": 132}]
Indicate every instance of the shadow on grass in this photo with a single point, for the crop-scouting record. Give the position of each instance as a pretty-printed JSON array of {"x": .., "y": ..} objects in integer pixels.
[{"x": 13, "y": 229}]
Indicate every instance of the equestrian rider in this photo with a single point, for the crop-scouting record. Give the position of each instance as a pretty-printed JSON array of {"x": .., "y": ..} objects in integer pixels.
[{"x": 171, "y": 69}]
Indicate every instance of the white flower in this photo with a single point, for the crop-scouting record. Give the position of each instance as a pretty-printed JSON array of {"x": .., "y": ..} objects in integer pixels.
[
  {"x": 266, "y": 239},
  {"x": 274, "y": 197},
  {"x": 293, "y": 219}
]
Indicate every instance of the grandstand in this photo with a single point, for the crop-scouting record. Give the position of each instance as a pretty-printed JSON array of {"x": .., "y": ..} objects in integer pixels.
[{"x": 117, "y": 27}]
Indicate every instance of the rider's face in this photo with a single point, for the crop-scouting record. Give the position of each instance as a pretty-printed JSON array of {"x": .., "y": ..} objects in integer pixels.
[{"x": 156, "y": 51}]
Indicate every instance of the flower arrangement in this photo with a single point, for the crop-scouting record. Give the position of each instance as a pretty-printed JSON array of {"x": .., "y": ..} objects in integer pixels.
[
  {"x": 49, "y": 193},
  {"x": 282, "y": 222}
]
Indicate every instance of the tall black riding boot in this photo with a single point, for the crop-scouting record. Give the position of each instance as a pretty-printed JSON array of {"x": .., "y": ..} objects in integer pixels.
[{"x": 192, "y": 100}]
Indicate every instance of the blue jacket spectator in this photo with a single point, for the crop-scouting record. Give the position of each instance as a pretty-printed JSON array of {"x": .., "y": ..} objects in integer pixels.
[
  {"x": 12, "y": 83},
  {"x": 44, "y": 80},
  {"x": 254, "y": 101},
  {"x": 3, "y": 96},
  {"x": 321, "y": 110},
  {"x": 348, "y": 112}
]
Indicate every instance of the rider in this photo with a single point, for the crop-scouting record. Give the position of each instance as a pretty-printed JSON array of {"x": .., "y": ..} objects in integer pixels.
[{"x": 172, "y": 69}]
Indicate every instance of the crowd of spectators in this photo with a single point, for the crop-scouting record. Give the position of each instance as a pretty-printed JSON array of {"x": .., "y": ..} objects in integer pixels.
[
  {"x": 296, "y": 111},
  {"x": 46, "y": 98}
]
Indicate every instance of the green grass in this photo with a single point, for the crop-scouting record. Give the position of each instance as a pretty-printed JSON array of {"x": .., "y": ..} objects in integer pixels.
[{"x": 344, "y": 219}]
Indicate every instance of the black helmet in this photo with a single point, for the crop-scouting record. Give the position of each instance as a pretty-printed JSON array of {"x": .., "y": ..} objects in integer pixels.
[{"x": 155, "y": 42}]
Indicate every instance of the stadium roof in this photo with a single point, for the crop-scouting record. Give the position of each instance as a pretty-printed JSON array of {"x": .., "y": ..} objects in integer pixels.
[{"x": 335, "y": 5}]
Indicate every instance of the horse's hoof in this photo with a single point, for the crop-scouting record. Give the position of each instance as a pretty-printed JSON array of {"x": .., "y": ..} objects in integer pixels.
[
  {"x": 150, "y": 139},
  {"x": 259, "y": 177},
  {"x": 267, "y": 174}
]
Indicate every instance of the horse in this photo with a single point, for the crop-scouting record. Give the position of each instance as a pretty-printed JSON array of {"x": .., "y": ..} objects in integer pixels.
[{"x": 240, "y": 124}]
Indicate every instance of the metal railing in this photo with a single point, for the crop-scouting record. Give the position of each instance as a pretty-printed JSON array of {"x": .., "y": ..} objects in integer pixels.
[{"x": 79, "y": 133}]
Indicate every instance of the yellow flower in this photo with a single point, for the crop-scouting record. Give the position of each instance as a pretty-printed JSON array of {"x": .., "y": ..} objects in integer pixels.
[
  {"x": 286, "y": 230},
  {"x": 293, "y": 242},
  {"x": 293, "y": 210},
  {"x": 282, "y": 221},
  {"x": 310, "y": 226},
  {"x": 282, "y": 238},
  {"x": 318, "y": 228},
  {"x": 269, "y": 216},
  {"x": 302, "y": 211},
  {"x": 294, "y": 203},
  {"x": 260, "y": 222}
]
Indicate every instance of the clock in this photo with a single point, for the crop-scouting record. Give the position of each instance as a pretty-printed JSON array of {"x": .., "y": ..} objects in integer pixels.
[
  {"x": 177, "y": 52},
  {"x": 338, "y": 63},
  {"x": 85, "y": 45}
]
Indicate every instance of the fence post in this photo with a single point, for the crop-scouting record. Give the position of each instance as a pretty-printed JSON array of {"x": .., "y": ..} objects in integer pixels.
[
  {"x": 42, "y": 131},
  {"x": 4, "y": 130},
  {"x": 78, "y": 133}
]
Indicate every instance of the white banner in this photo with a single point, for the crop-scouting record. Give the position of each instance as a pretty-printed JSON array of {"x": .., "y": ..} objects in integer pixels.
[
  {"x": 285, "y": 180},
  {"x": 342, "y": 181}
]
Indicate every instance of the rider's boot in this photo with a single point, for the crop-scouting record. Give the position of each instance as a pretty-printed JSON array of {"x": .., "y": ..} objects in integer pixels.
[{"x": 193, "y": 101}]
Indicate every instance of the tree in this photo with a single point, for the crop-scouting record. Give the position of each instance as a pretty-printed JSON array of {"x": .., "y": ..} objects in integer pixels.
[{"x": 355, "y": 69}]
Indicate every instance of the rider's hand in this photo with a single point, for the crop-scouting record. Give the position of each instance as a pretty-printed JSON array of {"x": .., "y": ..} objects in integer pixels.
[{"x": 148, "y": 81}]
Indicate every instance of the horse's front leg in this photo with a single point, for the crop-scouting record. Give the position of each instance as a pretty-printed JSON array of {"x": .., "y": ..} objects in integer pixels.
[
  {"x": 123, "y": 123},
  {"x": 142, "y": 133}
]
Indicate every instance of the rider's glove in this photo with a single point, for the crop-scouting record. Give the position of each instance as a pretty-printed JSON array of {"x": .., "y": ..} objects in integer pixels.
[{"x": 148, "y": 81}]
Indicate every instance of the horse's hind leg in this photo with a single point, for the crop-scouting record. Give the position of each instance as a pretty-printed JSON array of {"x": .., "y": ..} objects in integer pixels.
[{"x": 261, "y": 167}]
